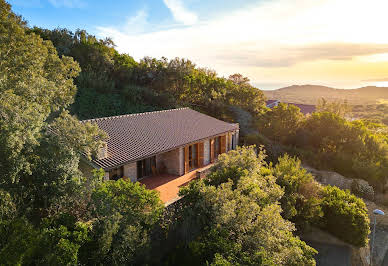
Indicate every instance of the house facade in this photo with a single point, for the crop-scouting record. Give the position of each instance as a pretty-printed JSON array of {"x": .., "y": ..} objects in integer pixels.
[{"x": 171, "y": 142}]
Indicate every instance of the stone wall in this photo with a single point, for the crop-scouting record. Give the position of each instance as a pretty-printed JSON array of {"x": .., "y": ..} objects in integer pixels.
[
  {"x": 333, "y": 251},
  {"x": 130, "y": 171},
  {"x": 170, "y": 162},
  {"x": 106, "y": 176},
  {"x": 206, "y": 152}
]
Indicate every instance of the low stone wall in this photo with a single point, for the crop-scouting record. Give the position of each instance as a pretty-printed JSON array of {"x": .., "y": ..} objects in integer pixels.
[{"x": 202, "y": 173}]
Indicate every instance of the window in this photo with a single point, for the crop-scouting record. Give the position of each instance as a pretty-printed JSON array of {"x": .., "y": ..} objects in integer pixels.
[
  {"x": 117, "y": 173},
  {"x": 217, "y": 147},
  {"x": 193, "y": 159},
  {"x": 146, "y": 167},
  {"x": 233, "y": 141}
]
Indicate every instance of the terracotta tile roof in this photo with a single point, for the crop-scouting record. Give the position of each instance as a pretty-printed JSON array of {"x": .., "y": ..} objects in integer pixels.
[
  {"x": 271, "y": 103},
  {"x": 305, "y": 108},
  {"x": 137, "y": 136}
]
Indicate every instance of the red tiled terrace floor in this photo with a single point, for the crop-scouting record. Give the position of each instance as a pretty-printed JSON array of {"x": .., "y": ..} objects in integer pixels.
[{"x": 168, "y": 185}]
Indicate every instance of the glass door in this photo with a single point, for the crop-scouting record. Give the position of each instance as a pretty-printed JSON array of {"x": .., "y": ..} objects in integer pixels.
[{"x": 146, "y": 167}]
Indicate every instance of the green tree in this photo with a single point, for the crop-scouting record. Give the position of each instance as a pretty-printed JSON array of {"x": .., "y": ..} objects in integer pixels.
[
  {"x": 337, "y": 108},
  {"x": 302, "y": 194},
  {"x": 124, "y": 215},
  {"x": 239, "y": 218},
  {"x": 281, "y": 123},
  {"x": 345, "y": 216}
]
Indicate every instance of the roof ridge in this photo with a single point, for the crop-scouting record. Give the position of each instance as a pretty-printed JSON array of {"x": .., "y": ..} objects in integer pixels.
[{"x": 134, "y": 114}]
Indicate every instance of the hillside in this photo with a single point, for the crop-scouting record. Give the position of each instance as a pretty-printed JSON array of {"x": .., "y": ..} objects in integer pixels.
[{"x": 310, "y": 94}]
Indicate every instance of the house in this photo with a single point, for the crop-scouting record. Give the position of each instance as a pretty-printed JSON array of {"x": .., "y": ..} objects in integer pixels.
[
  {"x": 173, "y": 142},
  {"x": 272, "y": 103},
  {"x": 305, "y": 109}
]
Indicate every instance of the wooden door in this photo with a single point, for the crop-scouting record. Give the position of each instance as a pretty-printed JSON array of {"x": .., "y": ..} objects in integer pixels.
[
  {"x": 186, "y": 159},
  {"x": 223, "y": 144},
  {"x": 211, "y": 150},
  {"x": 200, "y": 154}
]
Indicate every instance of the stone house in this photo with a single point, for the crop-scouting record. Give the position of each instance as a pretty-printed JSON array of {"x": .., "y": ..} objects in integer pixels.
[{"x": 174, "y": 142}]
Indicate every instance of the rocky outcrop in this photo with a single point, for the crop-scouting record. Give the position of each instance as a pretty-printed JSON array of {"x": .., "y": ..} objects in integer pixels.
[
  {"x": 333, "y": 251},
  {"x": 358, "y": 187}
]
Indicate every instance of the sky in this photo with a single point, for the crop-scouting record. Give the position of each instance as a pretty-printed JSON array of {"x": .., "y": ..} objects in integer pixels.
[{"x": 275, "y": 43}]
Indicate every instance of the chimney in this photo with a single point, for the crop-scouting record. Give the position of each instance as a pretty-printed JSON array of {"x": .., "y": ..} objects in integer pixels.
[{"x": 103, "y": 151}]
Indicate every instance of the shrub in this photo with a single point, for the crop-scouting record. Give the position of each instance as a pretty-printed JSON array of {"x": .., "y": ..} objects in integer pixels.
[
  {"x": 345, "y": 216},
  {"x": 300, "y": 202}
]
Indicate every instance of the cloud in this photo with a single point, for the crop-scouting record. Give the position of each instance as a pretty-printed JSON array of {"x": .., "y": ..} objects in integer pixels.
[
  {"x": 180, "y": 13},
  {"x": 286, "y": 56},
  {"x": 68, "y": 3},
  {"x": 278, "y": 34},
  {"x": 376, "y": 80}
]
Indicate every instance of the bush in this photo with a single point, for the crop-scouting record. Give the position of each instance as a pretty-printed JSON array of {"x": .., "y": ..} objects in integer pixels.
[
  {"x": 301, "y": 199},
  {"x": 126, "y": 214},
  {"x": 345, "y": 216}
]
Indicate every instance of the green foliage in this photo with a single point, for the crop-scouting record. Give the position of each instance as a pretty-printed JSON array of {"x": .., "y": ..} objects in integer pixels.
[
  {"x": 373, "y": 112},
  {"x": 40, "y": 142},
  {"x": 345, "y": 216},
  {"x": 126, "y": 214},
  {"x": 281, "y": 122},
  {"x": 337, "y": 108},
  {"x": 7, "y": 206},
  {"x": 239, "y": 217},
  {"x": 34, "y": 83},
  {"x": 18, "y": 239},
  {"x": 113, "y": 84},
  {"x": 325, "y": 140},
  {"x": 301, "y": 200},
  {"x": 62, "y": 236},
  {"x": 235, "y": 164}
]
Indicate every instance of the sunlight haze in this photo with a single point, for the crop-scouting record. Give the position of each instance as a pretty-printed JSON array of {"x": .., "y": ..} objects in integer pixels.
[{"x": 275, "y": 43}]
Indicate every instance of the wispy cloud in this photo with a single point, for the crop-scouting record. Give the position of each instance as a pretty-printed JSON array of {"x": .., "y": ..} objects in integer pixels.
[
  {"x": 68, "y": 3},
  {"x": 180, "y": 13},
  {"x": 377, "y": 80},
  {"x": 289, "y": 55},
  {"x": 273, "y": 35}
]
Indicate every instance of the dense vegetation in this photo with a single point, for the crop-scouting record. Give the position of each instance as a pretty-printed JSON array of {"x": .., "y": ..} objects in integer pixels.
[
  {"x": 112, "y": 84},
  {"x": 375, "y": 112},
  {"x": 236, "y": 215},
  {"x": 327, "y": 140},
  {"x": 244, "y": 213}
]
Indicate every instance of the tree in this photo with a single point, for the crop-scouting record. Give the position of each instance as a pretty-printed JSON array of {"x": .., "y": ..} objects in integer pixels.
[
  {"x": 281, "y": 122},
  {"x": 302, "y": 194},
  {"x": 39, "y": 140},
  {"x": 345, "y": 216},
  {"x": 337, "y": 108},
  {"x": 239, "y": 217},
  {"x": 124, "y": 215}
]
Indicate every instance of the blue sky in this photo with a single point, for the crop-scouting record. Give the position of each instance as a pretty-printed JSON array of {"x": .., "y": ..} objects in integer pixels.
[
  {"x": 90, "y": 14},
  {"x": 339, "y": 43}
]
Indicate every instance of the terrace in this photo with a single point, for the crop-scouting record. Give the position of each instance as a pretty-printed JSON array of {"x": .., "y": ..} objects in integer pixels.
[{"x": 168, "y": 185}]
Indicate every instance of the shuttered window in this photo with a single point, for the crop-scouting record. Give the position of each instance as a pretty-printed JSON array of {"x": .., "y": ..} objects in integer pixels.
[{"x": 194, "y": 156}]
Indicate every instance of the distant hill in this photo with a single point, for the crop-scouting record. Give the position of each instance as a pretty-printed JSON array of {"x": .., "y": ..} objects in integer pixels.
[{"x": 310, "y": 94}]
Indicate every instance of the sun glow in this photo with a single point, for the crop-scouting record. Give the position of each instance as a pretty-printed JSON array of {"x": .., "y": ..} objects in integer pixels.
[{"x": 276, "y": 40}]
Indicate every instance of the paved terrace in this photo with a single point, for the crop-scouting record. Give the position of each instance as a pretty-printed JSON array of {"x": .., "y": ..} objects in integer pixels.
[{"x": 168, "y": 185}]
